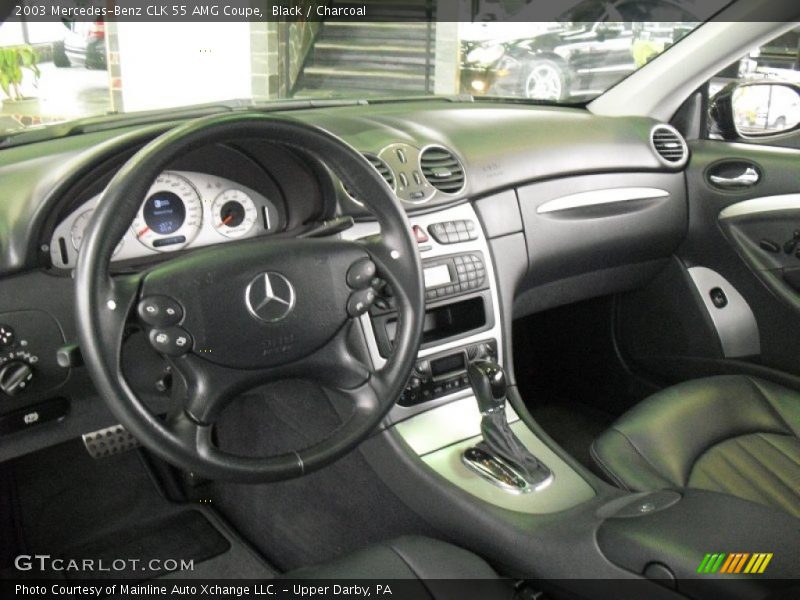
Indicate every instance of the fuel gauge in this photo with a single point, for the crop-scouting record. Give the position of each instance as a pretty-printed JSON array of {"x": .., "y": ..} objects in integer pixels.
[
  {"x": 233, "y": 213},
  {"x": 79, "y": 227}
]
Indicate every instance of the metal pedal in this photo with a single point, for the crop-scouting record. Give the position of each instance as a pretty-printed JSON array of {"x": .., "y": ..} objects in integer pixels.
[{"x": 109, "y": 441}]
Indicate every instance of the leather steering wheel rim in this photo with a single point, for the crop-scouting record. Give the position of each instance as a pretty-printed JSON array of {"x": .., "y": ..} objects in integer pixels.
[{"x": 105, "y": 305}]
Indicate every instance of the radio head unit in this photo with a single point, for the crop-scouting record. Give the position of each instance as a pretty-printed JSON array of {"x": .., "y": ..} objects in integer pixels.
[{"x": 453, "y": 275}]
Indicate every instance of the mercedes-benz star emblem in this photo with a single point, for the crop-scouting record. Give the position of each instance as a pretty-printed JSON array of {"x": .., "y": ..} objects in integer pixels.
[{"x": 270, "y": 297}]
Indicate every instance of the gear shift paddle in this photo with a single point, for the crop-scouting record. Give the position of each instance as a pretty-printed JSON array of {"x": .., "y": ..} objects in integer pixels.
[{"x": 500, "y": 448}]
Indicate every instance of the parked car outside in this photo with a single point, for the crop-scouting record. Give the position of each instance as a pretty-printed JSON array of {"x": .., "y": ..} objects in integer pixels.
[
  {"x": 575, "y": 61},
  {"x": 84, "y": 45}
]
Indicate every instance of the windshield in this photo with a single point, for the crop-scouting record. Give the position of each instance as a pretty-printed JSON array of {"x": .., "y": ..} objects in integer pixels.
[{"x": 60, "y": 71}]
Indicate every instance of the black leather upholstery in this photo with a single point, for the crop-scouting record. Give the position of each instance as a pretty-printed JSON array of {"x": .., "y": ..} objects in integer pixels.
[
  {"x": 416, "y": 558},
  {"x": 733, "y": 434}
]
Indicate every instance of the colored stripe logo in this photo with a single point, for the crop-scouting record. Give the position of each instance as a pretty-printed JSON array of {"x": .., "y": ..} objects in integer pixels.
[{"x": 735, "y": 563}]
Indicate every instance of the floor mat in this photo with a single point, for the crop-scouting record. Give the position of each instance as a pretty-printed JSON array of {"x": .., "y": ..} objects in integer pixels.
[
  {"x": 67, "y": 499},
  {"x": 315, "y": 518},
  {"x": 185, "y": 536},
  {"x": 69, "y": 505},
  {"x": 574, "y": 426}
]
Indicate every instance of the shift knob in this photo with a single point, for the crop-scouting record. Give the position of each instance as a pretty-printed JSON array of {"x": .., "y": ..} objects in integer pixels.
[{"x": 488, "y": 381}]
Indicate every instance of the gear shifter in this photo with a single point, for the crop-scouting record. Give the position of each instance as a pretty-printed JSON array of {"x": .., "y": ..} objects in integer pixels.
[{"x": 488, "y": 382}]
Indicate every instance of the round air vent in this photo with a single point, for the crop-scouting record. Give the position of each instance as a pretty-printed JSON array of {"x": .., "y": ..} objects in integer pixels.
[
  {"x": 442, "y": 169},
  {"x": 382, "y": 168},
  {"x": 669, "y": 145}
]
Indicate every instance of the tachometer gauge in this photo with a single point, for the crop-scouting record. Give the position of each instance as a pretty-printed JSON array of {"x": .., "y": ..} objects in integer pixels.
[
  {"x": 233, "y": 213},
  {"x": 79, "y": 226},
  {"x": 170, "y": 216}
]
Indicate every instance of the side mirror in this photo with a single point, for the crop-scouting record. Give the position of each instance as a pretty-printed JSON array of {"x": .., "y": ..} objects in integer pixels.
[{"x": 755, "y": 110}]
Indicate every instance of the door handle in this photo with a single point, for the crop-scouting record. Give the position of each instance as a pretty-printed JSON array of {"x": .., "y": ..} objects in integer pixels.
[{"x": 748, "y": 178}]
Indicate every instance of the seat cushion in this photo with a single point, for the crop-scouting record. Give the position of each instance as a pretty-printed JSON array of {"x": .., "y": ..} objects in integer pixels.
[
  {"x": 734, "y": 434},
  {"x": 423, "y": 561}
]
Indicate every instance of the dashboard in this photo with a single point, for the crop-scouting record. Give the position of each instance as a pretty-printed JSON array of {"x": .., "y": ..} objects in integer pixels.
[
  {"x": 431, "y": 154},
  {"x": 507, "y": 221},
  {"x": 182, "y": 210}
]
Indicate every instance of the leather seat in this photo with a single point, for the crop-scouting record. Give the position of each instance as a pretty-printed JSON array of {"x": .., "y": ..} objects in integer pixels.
[
  {"x": 733, "y": 434},
  {"x": 415, "y": 558}
]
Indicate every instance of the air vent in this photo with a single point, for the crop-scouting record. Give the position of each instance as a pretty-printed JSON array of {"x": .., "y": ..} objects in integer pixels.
[
  {"x": 382, "y": 168},
  {"x": 669, "y": 145},
  {"x": 442, "y": 169}
]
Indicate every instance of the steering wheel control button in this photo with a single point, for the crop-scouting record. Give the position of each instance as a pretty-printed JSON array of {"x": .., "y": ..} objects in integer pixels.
[
  {"x": 172, "y": 341},
  {"x": 360, "y": 274},
  {"x": 452, "y": 232},
  {"x": 159, "y": 311},
  {"x": 360, "y": 302}
]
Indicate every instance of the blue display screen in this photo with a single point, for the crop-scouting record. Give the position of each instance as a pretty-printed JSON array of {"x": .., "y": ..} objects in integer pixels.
[{"x": 164, "y": 212}]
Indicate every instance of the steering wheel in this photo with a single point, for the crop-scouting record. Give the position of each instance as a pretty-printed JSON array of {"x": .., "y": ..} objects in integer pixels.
[{"x": 234, "y": 316}]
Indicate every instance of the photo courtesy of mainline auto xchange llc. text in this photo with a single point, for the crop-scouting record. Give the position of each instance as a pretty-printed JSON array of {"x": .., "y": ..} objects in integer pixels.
[{"x": 400, "y": 299}]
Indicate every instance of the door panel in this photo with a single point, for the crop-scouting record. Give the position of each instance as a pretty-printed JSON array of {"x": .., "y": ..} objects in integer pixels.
[{"x": 731, "y": 300}]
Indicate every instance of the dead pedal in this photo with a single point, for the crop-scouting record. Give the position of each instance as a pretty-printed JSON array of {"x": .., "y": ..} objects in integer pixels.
[{"x": 109, "y": 441}]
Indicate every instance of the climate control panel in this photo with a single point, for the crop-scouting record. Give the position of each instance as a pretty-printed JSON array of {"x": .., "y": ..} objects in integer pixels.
[{"x": 444, "y": 374}]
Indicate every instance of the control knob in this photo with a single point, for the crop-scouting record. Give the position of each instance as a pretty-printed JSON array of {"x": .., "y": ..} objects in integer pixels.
[{"x": 15, "y": 377}]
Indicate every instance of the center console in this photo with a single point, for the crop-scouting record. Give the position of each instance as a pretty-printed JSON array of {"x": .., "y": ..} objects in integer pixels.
[
  {"x": 462, "y": 317},
  {"x": 438, "y": 451},
  {"x": 437, "y": 414}
]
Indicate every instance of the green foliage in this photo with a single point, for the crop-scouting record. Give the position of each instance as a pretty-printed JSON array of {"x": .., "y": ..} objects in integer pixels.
[{"x": 14, "y": 61}]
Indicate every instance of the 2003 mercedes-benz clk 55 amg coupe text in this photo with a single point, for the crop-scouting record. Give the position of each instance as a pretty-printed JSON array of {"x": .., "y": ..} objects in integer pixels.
[{"x": 308, "y": 308}]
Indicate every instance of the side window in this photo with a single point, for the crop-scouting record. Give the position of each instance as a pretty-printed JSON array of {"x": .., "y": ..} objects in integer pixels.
[{"x": 757, "y": 99}]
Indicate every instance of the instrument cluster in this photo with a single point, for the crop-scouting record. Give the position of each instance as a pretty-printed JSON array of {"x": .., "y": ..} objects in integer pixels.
[{"x": 182, "y": 209}]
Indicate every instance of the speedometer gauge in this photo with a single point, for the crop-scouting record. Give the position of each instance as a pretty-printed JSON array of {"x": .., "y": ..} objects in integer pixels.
[
  {"x": 233, "y": 213},
  {"x": 170, "y": 216}
]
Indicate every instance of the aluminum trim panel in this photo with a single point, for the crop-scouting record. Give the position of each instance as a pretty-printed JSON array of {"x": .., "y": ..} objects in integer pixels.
[
  {"x": 432, "y": 249},
  {"x": 600, "y": 197},
  {"x": 764, "y": 204},
  {"x": 735, "y": 324},
  {"x": 567, "y": 489},
  {"x": 444, "y": 425}
]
